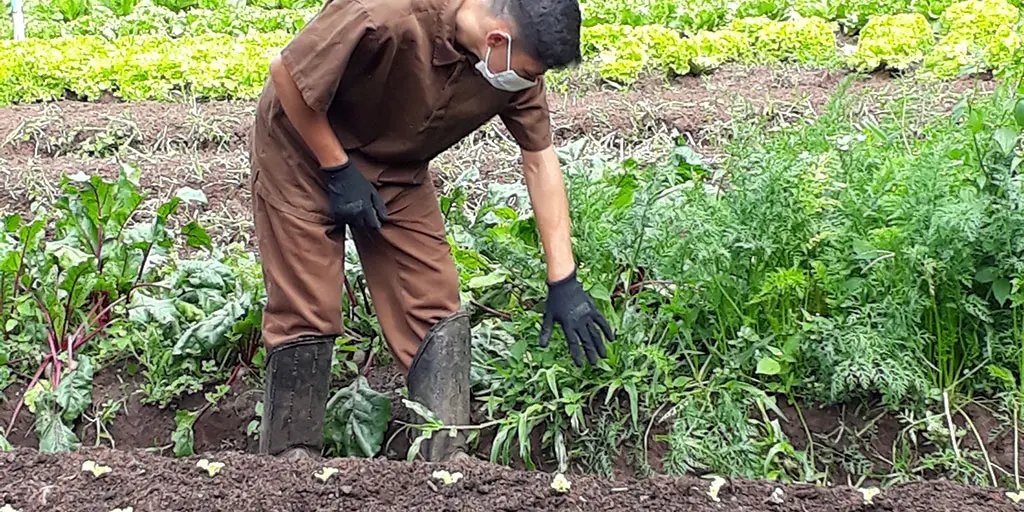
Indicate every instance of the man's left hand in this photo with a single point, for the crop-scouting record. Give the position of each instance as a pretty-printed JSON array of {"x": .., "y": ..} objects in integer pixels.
[{"x": 570, "y": 306}]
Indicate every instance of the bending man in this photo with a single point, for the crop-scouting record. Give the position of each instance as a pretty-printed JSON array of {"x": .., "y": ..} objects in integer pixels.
[{"x": 357, "y": 105}]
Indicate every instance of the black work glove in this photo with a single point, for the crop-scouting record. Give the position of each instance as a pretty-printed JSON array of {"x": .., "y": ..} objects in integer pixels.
[
  {"x": 354, "y": 201},
  {"x": 574, "y": 310}
]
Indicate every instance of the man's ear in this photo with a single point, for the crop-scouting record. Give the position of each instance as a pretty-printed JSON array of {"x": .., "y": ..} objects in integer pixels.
[{"x": 496, "y": 38}]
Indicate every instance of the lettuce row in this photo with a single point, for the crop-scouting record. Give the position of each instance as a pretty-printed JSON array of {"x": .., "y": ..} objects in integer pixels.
[
  {"x": 892, "y": 42},
  {"x": 976, "y": 36},
  {"x": 149, "y": 19},
  {"x": 134, "y": 68}
]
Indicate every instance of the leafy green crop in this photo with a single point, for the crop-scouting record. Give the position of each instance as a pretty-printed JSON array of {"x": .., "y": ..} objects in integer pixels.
[
  {"x": 801, "y": 40},
  {"x": 137, "y": 68},
  {"x": 976, "y": 35},
  {"x": 622, "y": 53},
  {"x": 120, "y": 7},
  {"x": 716, "y": 48},
  {"x": 148, "y": 19},
  {"x": 894, "y": 42},
  {"x": 357, "y": 418}
]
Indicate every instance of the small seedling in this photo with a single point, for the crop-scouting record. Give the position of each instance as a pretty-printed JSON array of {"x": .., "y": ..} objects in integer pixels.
[
  {"x": 1015, "y": 497},
  {"x": 446, "y": 477},
  {"x": 326, "y": 473},
  {"x": 869, "y": 494},
  {"x": 715, "y": 487},
  {"x": 561, "y": 484},
  {"x": 90, "y": 466},
  {"x": 211, "y": 467}
]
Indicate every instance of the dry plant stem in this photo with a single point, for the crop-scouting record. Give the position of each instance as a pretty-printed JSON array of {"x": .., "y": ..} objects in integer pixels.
[
  {"x": 807, "y": 432},
  {"x": 495, "y": 312},
  {"x": 949, "y": 423},
  {"x": 984, "y": 451},
  {"x": 1016, "y": 444}
]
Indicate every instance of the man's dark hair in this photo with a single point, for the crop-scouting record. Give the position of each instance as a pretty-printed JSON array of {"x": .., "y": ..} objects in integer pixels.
[{"x": 547, "y": 30}]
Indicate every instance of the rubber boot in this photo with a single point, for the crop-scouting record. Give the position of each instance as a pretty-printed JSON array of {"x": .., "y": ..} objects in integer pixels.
[
  {"x": 295, "y": 397},
  {"x": 439, "y": 380}
]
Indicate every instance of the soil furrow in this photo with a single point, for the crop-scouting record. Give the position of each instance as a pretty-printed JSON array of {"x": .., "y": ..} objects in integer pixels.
[
  {"x": 143, "y": 481},
  {"x": 688, "y": 105}
]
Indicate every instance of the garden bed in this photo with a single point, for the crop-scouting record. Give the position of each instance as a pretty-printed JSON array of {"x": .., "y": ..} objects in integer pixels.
[{"x": 30, "y": 481}]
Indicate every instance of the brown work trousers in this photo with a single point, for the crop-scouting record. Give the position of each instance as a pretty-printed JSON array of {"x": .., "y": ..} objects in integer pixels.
[{"x": 408, "y": 266}]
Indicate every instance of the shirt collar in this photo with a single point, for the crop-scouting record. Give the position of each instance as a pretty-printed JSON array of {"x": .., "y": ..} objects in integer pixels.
[{"x": 445, "y": 52}]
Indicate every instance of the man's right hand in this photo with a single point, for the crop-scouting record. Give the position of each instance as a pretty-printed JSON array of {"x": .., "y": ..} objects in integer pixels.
[{"x": 354, "y": 201}]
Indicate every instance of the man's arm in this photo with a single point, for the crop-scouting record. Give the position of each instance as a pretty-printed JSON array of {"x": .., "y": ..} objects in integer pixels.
[
  {"x": 567, "y": 303},
  {"x": 546, "y": 188},
  {"x": 312, "y": 125}
]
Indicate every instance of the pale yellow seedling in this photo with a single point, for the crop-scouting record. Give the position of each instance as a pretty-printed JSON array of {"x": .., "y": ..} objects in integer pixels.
[
  {"x": 211, "y": 467},
  {"x": 326, "y": 473},
  {"x": 445, "y": 477},
  {"x": 716, "y": 486},
  {"x": 560, "y": 484},
  {"x": 869, "y": 494},
  {"x": 90, "y": 466}
]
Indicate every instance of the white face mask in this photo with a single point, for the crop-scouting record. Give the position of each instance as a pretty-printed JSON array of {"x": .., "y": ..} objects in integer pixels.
[{"x": 506, "y": 80}]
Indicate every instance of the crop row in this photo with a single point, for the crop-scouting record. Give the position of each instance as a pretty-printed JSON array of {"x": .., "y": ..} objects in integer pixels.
[
  {"x": 692, "y": 16},
  {"x": 149, "y": 19},
  {"x": 969, "y": 36},
  {"x": 974, "y": 35}
]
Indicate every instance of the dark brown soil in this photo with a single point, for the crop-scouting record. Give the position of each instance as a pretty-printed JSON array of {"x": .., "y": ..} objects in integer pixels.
[{"x": 30, "y": 481}]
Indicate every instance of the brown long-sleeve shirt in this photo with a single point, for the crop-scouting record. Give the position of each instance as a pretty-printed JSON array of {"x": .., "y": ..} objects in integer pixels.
[{"x": 398, "y": 90}]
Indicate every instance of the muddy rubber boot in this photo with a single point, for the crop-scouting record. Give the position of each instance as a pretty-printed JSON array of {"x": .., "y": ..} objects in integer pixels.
[
  {"x": 295, "y": 397},
  {"x": 439, "y": 379}
]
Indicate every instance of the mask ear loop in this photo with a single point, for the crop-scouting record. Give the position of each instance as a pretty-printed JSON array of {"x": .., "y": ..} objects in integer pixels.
[
  {"x": 487, "y": 61},
  {"x": 508, "y": 53}
]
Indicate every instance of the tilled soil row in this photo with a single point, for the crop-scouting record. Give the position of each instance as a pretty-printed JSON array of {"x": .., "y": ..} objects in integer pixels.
[
  {"x": 689, "y": 104},
  {"x": 32, "y": 481}
]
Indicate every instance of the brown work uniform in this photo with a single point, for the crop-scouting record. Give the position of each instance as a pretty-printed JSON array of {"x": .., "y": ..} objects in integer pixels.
[{"x": 398, "y": 90}]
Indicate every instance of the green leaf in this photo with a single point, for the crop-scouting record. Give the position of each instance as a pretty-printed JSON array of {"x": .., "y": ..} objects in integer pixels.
[
  {"x": 54, "y": 436},
  {"x": 191, "y": 195},
  {"x": 74, "y": 394},
  {"x": 5, "y": 445},
  {"x": 1001, "y": 289},
  {"x": 196, "y": 236},
  {"x": 213, "y": 330},
  {"x": 426, "y": 414},
  {"x": 1006, "y": 138},
  {"x": 627, "y": 188},
  {"x": 768, "y": 366},
  {"x": 601, "y": 292},
  {"x": 975, "y": 121},
  {"x": 986, "y": 275},
  {"x": 357, "y": 420},
  {"x": 146, "y": 309},
  {"x": 1018, "y": 113},
  {"x": 501, "y": 443},
  {"x": 487, "y": 280},
  {"x": 184, "y": 435},
  {"x": 1004, "y": 375},
  {"x": 634, "y": 402}
]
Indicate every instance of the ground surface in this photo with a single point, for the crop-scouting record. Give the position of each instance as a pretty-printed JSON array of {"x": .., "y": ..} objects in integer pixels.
[
  {"x": 205, "y": 146},
  {"x": 30, "y": 481}
]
